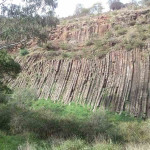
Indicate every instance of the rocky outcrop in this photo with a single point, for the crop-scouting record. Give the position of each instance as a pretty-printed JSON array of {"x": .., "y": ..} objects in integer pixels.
[
  {"x": 132, "y": 17},
  {"x": 79, "y": 30},
  {"x": 120, "y": 81}
]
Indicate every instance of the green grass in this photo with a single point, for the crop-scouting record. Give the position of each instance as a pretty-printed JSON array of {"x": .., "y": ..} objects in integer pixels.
[
  {"x": 10, "y": 142},
  {"x": 61, "y": 109},
  {"x": 47, "y": 125}
]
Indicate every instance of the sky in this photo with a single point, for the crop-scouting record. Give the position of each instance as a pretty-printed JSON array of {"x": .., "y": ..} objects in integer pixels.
[{"x": 67, "y": 7}]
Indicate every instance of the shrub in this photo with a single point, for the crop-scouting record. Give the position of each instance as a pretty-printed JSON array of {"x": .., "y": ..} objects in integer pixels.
[
  {"x": 100, "y": 125},
  {"x": 23, "y": 97},
  {"x": 100, "y": 43},
  {"x": 121, "y": 31},
  {"x": 109, "y": 34},
  {"x": 52, "y": 54},
  {"x": 4, "y": 98},
  {"x": 65, "y": 46},
  {"x": 5, "y": 115},
  {"x": 143, "y": 36},
  {"x": 132, "y": 23},
  {"x": 89, "y": 43},
  {"x": 138, "y": 43},
  {"x": 134, "y": 43},
  {"x": 113, "y": 41},
  {"x": 135, "y": 131},
  {"x": 24, "y": 52},
  {"x": 101, "y": 53},
  {"x": 117, "y": 27},
  {"x": 129, "y": 47},
  {"x": 133, "y": 35},
  {"x": 50, "y": 46},
  {"x": 65, "y": 55}
]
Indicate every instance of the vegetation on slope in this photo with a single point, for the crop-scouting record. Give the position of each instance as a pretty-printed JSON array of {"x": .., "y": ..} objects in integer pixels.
[
  {"x": 28, "y": 123},
  {"x": 19, "y": 23},
  {"x": 8, "y": 68},
  {"x": 43, "y": 124}
]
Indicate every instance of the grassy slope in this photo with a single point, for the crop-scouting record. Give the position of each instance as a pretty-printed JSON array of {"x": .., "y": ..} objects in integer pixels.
[{"x": 46, "y": 125}]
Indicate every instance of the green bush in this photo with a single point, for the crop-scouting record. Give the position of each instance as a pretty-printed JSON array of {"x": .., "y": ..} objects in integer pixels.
[
  {"x": 109, "y": 34},
  {"x": 135, "y": 131},
  {"x": 50, "y": 46},
  {"x": 134, "y": 43},
  {"x": 24, "y": 52},
  {"x": 65, "y": 46},
  {"x": 122, "y": 31},
  {"x": 100, "y": 125},
  {"x": 4, "y": 98},
  {"x": 23, "y": 97},
  {"x": 89, "y": 43},
  {"x": 132, "y": 23},
  {"x": 58, "y": 126},
  {"x": 65, "y": 55},
  {"x": 129, "y": 47},
  {"x": 138, "y": 43},
  {"x": 100, "y": 43}
]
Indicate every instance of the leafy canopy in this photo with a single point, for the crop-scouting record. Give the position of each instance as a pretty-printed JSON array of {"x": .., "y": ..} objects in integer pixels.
[
  {"x": 8, "y": 67},
  {"x": 28, "y": 20},
  {"x": 81, "y": 11}
]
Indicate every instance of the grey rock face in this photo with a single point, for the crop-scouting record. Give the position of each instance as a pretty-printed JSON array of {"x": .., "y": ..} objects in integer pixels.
[{"x": 120, "y": 81}]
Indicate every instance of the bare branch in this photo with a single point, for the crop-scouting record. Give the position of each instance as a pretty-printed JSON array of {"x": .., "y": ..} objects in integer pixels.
[{"x": 3, "y": 2}]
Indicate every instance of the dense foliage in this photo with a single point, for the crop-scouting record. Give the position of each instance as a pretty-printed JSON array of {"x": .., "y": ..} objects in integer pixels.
[
  {"x": 81, "y": 11},
  {"x": 20, "y": 23},
  {"x": 146, "y": 2},
  {"x": 8, "y": 67},
  {"x": 42, "y": 124}
]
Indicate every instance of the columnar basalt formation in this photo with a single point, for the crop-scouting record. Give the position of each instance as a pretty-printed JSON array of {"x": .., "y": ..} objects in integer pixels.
[
  {"x": 81, "y": 31},
  {"x": 119, "y": 81}
]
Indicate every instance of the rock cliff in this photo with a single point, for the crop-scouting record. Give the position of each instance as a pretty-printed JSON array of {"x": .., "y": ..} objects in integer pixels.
[
  {"x": 120, "y": 81},
  {"x": 81, "y": 30}
]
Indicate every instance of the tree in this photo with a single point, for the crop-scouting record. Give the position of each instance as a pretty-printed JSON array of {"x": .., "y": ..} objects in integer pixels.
[
  {"x": 20, "y": 23},
  {"x": 146, "y": 2},
  {"x": 116, "y": 5},
  {"x": 78, "y": 10},
  {"x": 81, "y": 11},
  {"x": 8, "y": 67},
  {"x": 96, "y": 8}
]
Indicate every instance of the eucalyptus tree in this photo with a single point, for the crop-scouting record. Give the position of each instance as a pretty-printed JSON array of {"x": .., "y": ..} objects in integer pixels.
[
  {"x": 29, "y": 19},
  {"x": 146, "y": 2},
  {"x": 96, "y": 8},
  {"x": 8, "y": 68}
]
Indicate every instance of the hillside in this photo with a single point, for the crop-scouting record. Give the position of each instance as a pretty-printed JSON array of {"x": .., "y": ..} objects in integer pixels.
[
  {"x": 85, "y": 88},
  {"x": 100, "y": 62}
]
